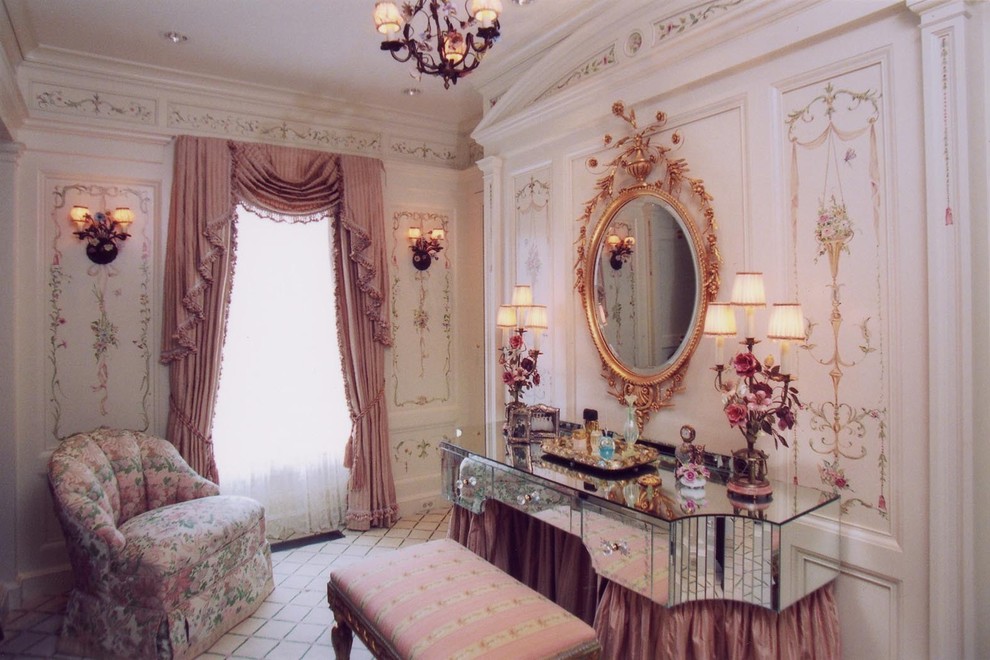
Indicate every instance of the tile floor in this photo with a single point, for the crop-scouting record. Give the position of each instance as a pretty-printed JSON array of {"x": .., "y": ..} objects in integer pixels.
[{"x": 293, "y": 622}]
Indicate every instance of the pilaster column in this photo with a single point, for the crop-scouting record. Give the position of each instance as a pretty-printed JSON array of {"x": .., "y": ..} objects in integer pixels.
[
  {"x": 9, "y": 155},
  {"x": 491, "y": 168},
  {"x": 945, "y": 30}
]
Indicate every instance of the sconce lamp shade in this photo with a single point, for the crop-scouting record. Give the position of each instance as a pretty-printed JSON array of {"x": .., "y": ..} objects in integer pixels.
[
  {"x": 124, "y": 216},
  {"x": 536, "y": 319},
  {"x": 613, "y": 240},
  {"x": 506, "y": 316},
  {"x": 786, "y": 322},
  {"x": 78, "y": 214},
  {"x": 522, "y": 295},
  {"x": 720, "y": 320},
  {"x": 388, "y": 18},
  {"x": 748, "y": 291},
  {"x": 437, "y": 234},
  {"x": 415, "y": 232}
]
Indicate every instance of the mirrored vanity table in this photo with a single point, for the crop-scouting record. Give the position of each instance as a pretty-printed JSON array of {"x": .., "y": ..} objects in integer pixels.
[
  {"x": 654, "y": 566},
  {"x": 668, "y": 543}
]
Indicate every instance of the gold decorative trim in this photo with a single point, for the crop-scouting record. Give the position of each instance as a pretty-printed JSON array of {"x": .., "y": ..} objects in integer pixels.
[{"x": 637, "y": 159}]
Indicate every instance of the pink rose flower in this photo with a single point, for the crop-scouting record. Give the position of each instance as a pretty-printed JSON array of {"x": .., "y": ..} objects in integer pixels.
[
  {"x": 515, "y": 342},
  {"x": 736, "y": 414}
]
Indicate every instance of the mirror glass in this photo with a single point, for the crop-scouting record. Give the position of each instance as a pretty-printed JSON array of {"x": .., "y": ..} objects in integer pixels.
[{"x": 647, "y": 283}]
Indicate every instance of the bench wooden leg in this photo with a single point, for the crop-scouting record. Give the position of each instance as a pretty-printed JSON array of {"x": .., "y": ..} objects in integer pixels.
[{"x": 341, "y": 637}]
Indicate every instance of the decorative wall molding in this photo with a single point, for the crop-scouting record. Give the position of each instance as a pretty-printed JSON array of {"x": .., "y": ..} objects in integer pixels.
[
  {"x": 95, "y": 100},
  {"x": 423, "y": 151},
  {"x": 422, "y": 313},
  {"x": 683, "y": 21},
  {"x": 98, "y": 343},
  {"x": 232, "y": 124},
  {"x": 600, "y": 61},
  {"x": 61, "y": 99}
]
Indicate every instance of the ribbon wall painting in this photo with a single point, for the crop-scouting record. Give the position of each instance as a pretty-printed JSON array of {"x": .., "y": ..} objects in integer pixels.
[
  {"x": 531, "y": 206},
  {"x": 98, "y": 340},
  {"x": 834, "y": 131},
  {"x": 421, "y": 316}
]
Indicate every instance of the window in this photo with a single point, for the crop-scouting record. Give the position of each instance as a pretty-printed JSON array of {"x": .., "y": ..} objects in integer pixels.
[{"x": 281, "y": 419}]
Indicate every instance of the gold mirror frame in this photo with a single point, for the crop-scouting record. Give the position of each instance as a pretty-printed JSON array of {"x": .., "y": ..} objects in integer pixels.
[{"x": 637, "y": 158}]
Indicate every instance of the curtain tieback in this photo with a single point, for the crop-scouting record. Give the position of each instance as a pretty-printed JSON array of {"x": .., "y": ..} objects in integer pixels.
[
  {"x": 367, "y": 409},
  {"x": 352, "y": 453}
]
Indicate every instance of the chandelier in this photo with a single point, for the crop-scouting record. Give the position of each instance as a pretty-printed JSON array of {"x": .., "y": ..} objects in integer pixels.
[{"x": 432, "y": 33}]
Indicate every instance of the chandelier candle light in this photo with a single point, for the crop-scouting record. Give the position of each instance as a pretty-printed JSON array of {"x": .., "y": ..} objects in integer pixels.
[
  {"x": 442, "y": 41},
  {"x": 762, "y": 400}
]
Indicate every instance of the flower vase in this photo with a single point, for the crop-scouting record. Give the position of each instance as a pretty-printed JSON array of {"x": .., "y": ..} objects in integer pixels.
[
  {"x": 749, "y": 472},
  {"x": 834, "y": 249}
]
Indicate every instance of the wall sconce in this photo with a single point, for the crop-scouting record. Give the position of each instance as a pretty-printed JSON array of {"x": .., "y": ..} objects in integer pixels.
[
  {"x": 620, "y": 249},
  {"x": 425, "y": 248},
  {"x": 101, "y": 231}
]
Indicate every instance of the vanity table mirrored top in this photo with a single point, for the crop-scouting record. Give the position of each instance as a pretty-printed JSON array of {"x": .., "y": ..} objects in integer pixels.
[{"x": 646, "y": 532}]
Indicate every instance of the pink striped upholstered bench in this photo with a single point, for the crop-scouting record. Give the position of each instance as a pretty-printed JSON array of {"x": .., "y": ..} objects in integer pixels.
[{"x": 439, "y": 600}]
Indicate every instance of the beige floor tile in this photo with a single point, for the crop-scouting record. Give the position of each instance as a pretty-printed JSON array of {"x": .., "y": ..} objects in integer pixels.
[
  {"x": 275, "y": 629},
  {"x": 292, "y": 612},
  {"x": 282, "y": 595},
  {"x": 420, "y": 533},
  {"x": 305, "y": 632},
  {"x": 311, "y": 598},
  {"x": 398, "y": 533},
  {"x": 227, "y": 644},
  {"x": 288, "y": 651},
  {"x": 390, "y": 542},
  {"x": 248, "y": 626},
  {"x": 255, "y": 647},
  {"x": 405, "y": 524},
  {"x": 366, "y": 540}
]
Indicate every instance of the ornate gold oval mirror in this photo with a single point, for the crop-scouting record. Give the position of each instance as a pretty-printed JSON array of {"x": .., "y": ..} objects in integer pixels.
[{"x": 648, "y": 269}]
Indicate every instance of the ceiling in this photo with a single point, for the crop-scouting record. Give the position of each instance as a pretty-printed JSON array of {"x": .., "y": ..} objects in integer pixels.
[{"x": 323, "y": 48}]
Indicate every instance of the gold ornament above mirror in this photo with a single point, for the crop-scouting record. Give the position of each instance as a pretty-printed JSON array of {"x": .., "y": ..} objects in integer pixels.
[{"x": 646, "y": 269}]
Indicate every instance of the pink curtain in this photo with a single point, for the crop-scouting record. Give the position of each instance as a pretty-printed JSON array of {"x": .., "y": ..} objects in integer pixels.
[
  {"x": 363, "y": 329},
  {"x": 632, "y": 627},
  {"x": 211, "y": 177}
]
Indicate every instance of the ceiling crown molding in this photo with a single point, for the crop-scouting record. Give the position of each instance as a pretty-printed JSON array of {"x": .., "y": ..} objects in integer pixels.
[{"x": 58, "y": 93}]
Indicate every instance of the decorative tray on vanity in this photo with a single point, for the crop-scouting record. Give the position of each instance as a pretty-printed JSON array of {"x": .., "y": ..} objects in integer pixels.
[{"x": 623, "y": 460}]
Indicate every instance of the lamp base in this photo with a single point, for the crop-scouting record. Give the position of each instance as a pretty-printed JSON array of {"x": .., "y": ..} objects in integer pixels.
[{"x": 749, "y": 475}]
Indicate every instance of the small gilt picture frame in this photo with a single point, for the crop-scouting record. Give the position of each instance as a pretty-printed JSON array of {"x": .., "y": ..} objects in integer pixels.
[
  {"x": 544, "y": 422},
  {"x": 518, "y": 425}
]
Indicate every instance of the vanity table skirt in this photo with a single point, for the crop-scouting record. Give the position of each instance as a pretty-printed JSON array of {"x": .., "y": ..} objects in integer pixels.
[{"x": 630, "y": 626}]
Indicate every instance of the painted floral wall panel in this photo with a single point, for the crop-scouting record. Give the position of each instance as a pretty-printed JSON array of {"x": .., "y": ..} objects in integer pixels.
[
  {"x": 534, "y": 264},
  {"x": 421, "y": 317},
  {"x": 99, "y": 317},
  {"x": 834, "y": 137}
]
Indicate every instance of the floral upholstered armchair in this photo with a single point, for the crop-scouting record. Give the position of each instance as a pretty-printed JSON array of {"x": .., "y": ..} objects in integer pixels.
[{"x": 163, "y": 564}]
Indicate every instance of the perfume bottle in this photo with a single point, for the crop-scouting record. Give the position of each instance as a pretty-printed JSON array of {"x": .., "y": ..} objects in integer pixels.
[
  {"x": 606, "y": 447},
  {"x": 685, "y": 453},
  {"x": 630, "y": 432}
]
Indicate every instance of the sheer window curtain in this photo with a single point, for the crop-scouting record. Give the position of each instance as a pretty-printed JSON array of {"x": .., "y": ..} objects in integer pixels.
[
  {"x": 281, "y": 418},
  {"x": 211, "y": 177}
]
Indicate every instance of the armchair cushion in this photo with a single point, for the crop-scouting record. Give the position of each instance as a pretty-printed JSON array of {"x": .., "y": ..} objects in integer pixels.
[{"x": 164, "y": 565}]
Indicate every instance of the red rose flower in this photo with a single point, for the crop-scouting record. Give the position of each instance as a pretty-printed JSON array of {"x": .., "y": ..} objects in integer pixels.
[
  {"x": 515, "y": 342},
  {"x": 746, "y": 364}
]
